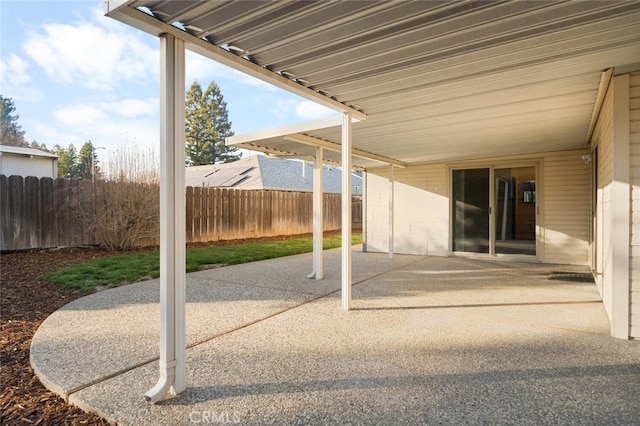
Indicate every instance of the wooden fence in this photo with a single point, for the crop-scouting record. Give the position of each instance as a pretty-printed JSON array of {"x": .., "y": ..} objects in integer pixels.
[{"x": 42, "y": 213}]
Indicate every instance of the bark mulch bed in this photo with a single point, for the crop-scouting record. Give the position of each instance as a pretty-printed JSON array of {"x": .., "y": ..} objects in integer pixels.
[{"x": 25, "y": 304}]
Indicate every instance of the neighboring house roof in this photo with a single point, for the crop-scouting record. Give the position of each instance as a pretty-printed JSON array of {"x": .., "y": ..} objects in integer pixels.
[
  {"x": 18, "y": 150},
  {"x": 259, "y": 172}
]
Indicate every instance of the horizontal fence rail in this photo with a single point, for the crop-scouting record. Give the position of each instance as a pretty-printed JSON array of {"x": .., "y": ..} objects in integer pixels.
[{"x": 43, "y": 213}]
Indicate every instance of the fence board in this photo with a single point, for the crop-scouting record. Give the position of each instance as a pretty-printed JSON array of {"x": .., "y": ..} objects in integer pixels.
[
  {"x": 32, "y": 211},
  {"x": 48, "y": 213},
  {"x": 5, "y": 211},
  {"x": 16, "y": 212}
]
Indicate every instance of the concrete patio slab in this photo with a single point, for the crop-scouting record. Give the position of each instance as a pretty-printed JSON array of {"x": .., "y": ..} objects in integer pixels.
[
  {"x": 114, "y": 330},
  {"x": 429, "y": 341}
]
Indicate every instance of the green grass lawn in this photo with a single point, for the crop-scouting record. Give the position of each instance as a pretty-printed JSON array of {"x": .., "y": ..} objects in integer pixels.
[{"x": 129, "y": 268}]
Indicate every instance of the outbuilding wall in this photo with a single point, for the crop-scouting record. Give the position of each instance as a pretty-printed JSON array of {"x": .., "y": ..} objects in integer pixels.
[{"x": 23, "y": 165}]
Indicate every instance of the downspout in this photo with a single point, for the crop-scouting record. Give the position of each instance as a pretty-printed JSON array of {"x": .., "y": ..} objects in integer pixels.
[
  {"x": 167, "y": 376},
  {"x": 172, "y": 362}
]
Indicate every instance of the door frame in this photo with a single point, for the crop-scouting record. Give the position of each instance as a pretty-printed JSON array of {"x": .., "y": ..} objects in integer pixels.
[{"x": 537, "y": 164}]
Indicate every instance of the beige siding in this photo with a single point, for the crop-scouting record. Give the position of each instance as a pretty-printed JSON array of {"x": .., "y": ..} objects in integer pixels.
[
  {"x": 634, "y": 176},
  {"x": 603, "y": 139},
  {"x": 566, "y": 188},
  {"x": 422, "y": 208},
  {"x": 421, "y": 212}
]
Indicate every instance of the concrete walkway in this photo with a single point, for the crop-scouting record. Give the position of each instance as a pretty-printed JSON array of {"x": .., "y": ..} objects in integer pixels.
[{"x": 430, "y": 341}]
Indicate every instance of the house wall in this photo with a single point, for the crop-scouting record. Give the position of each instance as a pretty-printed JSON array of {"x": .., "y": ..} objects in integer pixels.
[
  {"x": 22, "y": 165},
  {"x": 566, "y": 186},
  {"x": 634, "y": 176},
  {"x": 602, "y": 138},
  {"x": 422, "y": 207},
  {"x": 421, "y": 210}
]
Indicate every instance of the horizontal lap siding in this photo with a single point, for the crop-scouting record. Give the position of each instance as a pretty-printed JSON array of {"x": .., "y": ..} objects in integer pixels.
[
  {"x": 603, "y": 139},
  {"x": 421, "y": 215},
  {"x": 634, "y": 175},
  {"x": 566, "y": 192}
]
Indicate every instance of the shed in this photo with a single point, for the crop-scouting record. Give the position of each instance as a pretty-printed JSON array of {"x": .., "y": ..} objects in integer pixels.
[{"x": 20, "y": 161}]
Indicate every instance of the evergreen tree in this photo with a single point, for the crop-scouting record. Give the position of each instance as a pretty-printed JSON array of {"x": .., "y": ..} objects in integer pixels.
[
  {"x": 11, "y": 132},
  {"x": 68, "y": 161},
  {"x": 87, "y": 163},
  {"x": 206, "y": 127},
  {"x": 40, "y": 146}
]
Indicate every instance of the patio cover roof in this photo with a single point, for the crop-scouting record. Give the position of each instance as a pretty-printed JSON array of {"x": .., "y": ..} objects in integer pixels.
[{"x": 435, "y": 80}]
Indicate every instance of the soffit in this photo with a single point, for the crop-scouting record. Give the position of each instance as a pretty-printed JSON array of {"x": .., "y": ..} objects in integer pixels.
[{"x": 438, "y": 80}]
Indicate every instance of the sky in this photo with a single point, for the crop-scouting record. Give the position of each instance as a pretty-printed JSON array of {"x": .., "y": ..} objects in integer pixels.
[{"x": 75, "y": 75}]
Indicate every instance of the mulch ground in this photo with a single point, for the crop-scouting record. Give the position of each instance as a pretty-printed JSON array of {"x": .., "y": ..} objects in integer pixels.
[{"x": 25, "y": 303}]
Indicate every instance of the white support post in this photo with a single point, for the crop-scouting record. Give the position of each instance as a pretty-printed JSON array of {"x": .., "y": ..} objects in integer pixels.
[
  {"x": 391, "y": 202},
  {"x": 621, "y": 217},
  {"x": 172, "y": 220},
  {"x": 346, "y": 211},
  {"x": 318, "y": 215},
  {"x": 364, "y": 212}
]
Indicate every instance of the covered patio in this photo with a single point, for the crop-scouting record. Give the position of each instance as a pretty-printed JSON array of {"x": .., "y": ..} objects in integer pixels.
[
  {"x": 429, "y": 340},
  {"x": 438, "y": 101}
]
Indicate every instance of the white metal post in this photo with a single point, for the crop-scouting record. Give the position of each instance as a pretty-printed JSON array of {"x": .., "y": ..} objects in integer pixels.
[
  {"x": 172, "y": 220},
  {"x": 391, "y": 201},
  {"x": 363, "y": 228},
  {"x": 346, "y": 211},
  {"x": 318, "y": 215}
]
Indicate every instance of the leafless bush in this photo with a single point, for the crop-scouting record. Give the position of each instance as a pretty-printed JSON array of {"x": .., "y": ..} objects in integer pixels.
[{"x": 123, "y": 210}]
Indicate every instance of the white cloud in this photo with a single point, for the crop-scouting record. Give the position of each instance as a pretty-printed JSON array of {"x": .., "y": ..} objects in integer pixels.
[
  {"x": 105, "y": 133},
  {"x": 133, "y": 107},
  {"x": 15, "y": 80},
  {"x": 311, "y": 110},
  {"x": 78, "y": 115},
  {"x": 94, "y": 55},
  {"x": 282, "y": 107},
  {"x": 201, "y": 69},
  {"x": 13, "y": 71},
  {"x": 198, "y": 68}
]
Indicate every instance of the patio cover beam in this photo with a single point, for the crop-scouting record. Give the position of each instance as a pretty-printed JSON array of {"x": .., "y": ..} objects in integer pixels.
[
  {"x": 331, "y": 146},
  {"x": 124, "y": 12}
]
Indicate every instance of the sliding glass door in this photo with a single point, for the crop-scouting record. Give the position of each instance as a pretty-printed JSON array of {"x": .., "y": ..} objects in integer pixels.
[
  {"x": 515, "y": 210},
  {"x": 498, "y": 218},
  {"x": 471, "y": 210}
]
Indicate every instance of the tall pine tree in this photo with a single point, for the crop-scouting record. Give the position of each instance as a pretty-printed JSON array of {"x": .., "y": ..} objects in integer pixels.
[
  {"x": 68, "y": 161},
  {"x": 206, "y": 127},
  {"x": 11, "y": 132},
  {"x": 88, "y": 167}
]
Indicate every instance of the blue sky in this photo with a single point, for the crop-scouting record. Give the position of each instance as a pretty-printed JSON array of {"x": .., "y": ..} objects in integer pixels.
[{"x": 75, "y": 75}]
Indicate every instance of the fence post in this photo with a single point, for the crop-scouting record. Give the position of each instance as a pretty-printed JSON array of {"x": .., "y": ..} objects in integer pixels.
[{"x": 5, "y": 218}]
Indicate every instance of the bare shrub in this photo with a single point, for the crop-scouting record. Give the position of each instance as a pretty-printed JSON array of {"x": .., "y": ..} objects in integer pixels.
[{"x": 124, "y": 209}]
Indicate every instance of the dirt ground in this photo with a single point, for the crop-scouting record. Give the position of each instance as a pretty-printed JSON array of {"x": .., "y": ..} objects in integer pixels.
[{"x": 25, "y": 304}]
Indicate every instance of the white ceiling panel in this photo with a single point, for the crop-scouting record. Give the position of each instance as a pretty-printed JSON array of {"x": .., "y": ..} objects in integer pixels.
[{"x": 437, "y": 80}]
